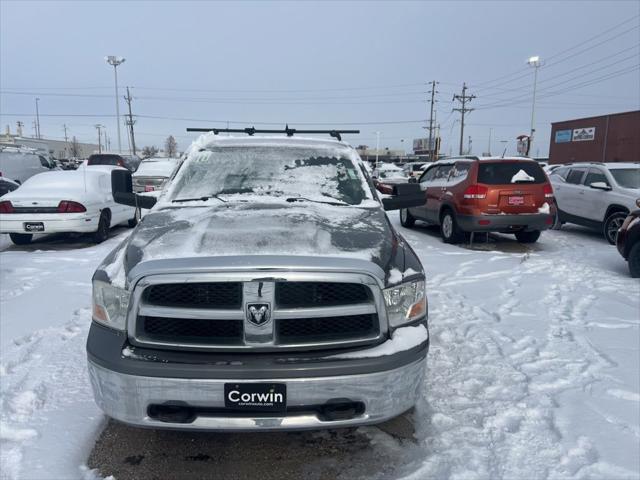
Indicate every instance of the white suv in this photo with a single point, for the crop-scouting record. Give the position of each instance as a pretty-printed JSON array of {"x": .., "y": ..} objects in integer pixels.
[{"x": 596, "y": 195}]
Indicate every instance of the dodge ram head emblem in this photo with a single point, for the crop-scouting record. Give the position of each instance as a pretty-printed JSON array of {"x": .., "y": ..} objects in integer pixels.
[{"x": 258, "y": 313}]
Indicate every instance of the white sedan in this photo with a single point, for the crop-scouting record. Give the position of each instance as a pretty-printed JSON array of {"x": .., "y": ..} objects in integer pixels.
[{"x": 69, "y": 201}]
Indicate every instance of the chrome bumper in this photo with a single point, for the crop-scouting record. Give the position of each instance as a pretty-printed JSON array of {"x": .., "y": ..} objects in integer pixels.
[{"x": 385, "y": 395}]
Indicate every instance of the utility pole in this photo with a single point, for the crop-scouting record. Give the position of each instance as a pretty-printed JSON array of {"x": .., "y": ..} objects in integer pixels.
[
  {"x": 37, "y": 119},
  {"x": 489, "y": 148},
  {"x": 19, "y": 129},
  {"x": 130, "y": 123},
  {"x": 463, "y": 99},
  {"x": 66, "y": 140},
  {"x": 377, "y": 147},
  {"x": 98, "y": 127},
  {"x": 431, "y": 146}
]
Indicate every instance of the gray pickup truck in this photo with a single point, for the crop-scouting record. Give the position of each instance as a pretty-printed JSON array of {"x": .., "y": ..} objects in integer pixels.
[{"x": 266, "y": 289}]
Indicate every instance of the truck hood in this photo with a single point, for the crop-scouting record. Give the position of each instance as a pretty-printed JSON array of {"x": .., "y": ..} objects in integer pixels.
[{"x": 249, "y": 229}]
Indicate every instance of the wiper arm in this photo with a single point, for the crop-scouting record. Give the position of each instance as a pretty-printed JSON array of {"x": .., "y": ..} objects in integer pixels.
[
  {"x": 203, "y": 198},
  {"x": 304, "y": 199}
]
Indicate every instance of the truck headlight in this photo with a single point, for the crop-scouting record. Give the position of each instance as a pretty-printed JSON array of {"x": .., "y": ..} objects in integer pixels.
[
  {"x": 405, "y": 303},
  {"x": 110, "y": 305}
]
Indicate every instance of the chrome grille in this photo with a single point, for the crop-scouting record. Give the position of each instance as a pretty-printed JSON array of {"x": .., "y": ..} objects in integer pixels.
[{"x": 211, "y": 311}]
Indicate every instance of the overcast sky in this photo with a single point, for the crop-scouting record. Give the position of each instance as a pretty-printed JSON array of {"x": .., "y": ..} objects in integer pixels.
[{"x": 354, "y": 65}]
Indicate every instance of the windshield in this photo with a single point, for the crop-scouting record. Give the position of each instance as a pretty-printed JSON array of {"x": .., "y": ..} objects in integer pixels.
[
  {"x": 503, "y": 172},
  {"x": 626, "y": 177},
  {"x": 160, "y": 168},
  {"x": 314, "y": 174}
]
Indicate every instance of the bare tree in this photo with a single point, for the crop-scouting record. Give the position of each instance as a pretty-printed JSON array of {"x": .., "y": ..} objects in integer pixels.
[
  {"x": 170, "y": 146},
  {"x": 75, "y": 150},
  {"x": 148, "y": 152}
]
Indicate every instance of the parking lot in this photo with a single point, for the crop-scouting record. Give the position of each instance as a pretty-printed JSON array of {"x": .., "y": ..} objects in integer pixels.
[{"x": 532, "y": 373}]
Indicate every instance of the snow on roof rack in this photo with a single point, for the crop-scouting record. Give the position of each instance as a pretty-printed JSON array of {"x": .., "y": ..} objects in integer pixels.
[{"x": 337, "y": 134}]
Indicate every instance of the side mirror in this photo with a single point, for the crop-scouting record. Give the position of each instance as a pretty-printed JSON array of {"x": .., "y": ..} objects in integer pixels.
[
  {"x": 405, "y": 195},
  {"x": 122, "y": 188},
  {"x": 600, "y": 186}
]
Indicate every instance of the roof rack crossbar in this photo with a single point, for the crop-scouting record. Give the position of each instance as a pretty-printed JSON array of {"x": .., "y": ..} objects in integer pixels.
[{"x": 337, "y": 134}]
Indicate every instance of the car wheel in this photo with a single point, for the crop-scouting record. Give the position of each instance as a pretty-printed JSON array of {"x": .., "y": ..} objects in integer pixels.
[
  {"x": 21, "y": 238},
  {"x": 135, "y": 220},
  {"x": 528, "y": 237},
  {"x": 406, "y": 219},
  {"x": 449, "y": 229},
  {"x": 634, "y": 260},
  {"x": 611, "y": 226},
  {"x": 103, "y": 228}
]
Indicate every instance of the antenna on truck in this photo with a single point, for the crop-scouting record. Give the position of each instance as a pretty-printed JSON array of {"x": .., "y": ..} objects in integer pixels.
[{"x": 290, "y": 132}]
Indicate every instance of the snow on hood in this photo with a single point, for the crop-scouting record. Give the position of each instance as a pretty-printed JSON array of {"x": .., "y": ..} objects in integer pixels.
[{"x": 269, "y": 228}]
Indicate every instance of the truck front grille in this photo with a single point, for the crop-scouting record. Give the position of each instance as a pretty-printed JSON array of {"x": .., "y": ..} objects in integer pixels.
[
  {"x": 187, "y": 312},
  {"x": 195, "y": 295}
]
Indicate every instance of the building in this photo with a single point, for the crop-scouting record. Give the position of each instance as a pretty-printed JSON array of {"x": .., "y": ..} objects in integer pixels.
[
  {"x": 607, "y": 138},
  {"x": 55, "y": 148}
]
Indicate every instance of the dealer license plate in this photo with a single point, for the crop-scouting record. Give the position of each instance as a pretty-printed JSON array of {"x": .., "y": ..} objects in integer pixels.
[
  {"x": 265, "y": 397},
  {"x": 33, "y": 227},
  {"x": 516, "y": 200}
]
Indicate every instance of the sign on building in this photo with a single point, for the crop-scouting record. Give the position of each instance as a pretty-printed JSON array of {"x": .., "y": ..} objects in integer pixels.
[
  {"x": 584, "y": 134},
  {"x": 563, "y": 136}
]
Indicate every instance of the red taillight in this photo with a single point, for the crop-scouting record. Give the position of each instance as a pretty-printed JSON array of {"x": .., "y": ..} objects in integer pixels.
[
  {"x": 67, "y": 206},
  {"x": 548, "y": 191},
  {"x": 476, "y": 191},
  {"x": 6, "y": 207}
]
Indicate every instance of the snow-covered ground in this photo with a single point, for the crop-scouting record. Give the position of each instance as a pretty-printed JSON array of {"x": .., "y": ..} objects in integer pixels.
[{"x": 533, "y": 370}]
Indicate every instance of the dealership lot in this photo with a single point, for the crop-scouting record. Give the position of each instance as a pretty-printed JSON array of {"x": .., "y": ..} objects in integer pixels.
[{"x": 532, "y": 372}]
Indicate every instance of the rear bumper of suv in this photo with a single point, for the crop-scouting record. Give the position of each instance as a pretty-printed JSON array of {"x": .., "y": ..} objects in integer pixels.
[
  {"x": 133, "y": 385},
  {"x": 505, "y": 223}
]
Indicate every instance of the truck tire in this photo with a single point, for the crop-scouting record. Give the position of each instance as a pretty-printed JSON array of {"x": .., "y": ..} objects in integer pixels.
[
  {"x": 406, "y": 219},
  {"x": 449, "y": 229},
  {"x": 103, "y": 228},
  {"x": 135, "y": 220},
  {"x": 634, "y": 261},
  {"x": 528, "y": 237},
  {"x": 21, "y": 238},
  {"x": 611, "y": 225}
]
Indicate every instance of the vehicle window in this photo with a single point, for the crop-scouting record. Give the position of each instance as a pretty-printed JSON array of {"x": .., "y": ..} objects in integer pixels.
[
  {"x": 626, "y": 177},
  {"x": 428, "y": 175},
  {"x": 43, "y": 162},
  {"x": 104, "y": 159},
  {"x": 312, "y": 173},
  {"x": 443, "y": 172},
  {"x": 575, "y": 175},
  {"x": 561, "y": 172},
  {"x": 503, "y": 172},
  {"x": 595, "y": 175},
  {"x": 460, "y": 171}
]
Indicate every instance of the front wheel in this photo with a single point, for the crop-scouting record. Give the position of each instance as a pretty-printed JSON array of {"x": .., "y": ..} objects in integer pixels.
[
  {"x": 528, "y": 237},
  {"x": 611, "y": 226},
  {"x": 406, "y": 219},
  {"x": 449, "y": 229},
  {"x": 21, "y": 238},
  {"x": 634, "y": 261}
]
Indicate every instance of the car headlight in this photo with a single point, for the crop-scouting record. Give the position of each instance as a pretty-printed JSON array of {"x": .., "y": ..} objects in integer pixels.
[
  {"x": 405, "y": 303},
  {"x": 110, "y": 305}
]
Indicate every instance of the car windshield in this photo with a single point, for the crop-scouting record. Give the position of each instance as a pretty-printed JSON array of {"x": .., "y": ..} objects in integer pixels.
[
  {"x": 503, "y": 172},
  {"x": 626, "y": 177},
  {"x": 314, "y": 174},
  {"x": 104, "y": 159}
]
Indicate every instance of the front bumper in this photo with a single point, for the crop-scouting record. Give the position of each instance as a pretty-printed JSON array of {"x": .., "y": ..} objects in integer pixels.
[
  {"x": 126, "y": 387},
  {"x": 53, "y": 223},
  {"x": 505, "y": 223}
]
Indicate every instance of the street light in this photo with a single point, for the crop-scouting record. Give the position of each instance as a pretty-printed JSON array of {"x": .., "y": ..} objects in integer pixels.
[
  {"x": 115, "y": 61},
  {"x": 377, "y": 147},
  {"x": 37, "y": 119},
  {"x": 535, "y": 63}
]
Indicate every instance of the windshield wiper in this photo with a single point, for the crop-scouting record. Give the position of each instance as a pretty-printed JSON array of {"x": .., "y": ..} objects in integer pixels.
[
  {"x": 304, "y": 199},
  {"x": 203, "y": 198}
]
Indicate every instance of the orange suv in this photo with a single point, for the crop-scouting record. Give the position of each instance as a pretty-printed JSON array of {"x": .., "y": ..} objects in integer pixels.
[{"x": 485, "y": 194}]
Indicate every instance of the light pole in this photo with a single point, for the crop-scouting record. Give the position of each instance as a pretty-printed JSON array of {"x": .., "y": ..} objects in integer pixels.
[
  {"x": 377, "y": 147},
  {"x": 98, "y": 127},
  {"x": 37, "y": 119},
  {"x": 115, "y": 61},
  {"x": 535, "y": 63}
]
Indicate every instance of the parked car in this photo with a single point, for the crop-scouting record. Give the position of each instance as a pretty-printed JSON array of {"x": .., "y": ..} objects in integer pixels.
[
  {"x": 628, "y": 241},
  {"x": 130, "y": 162},
  {"x": 484, "y": 194},
  {"x": 386, "y": 176},
  {"x": 265, "y": 290},
  {"x": 596, "y": 195},
  {"x": 20, "y": 163},
  {"x": 7, "y": 186},
  {"x": 63, "y": 201},
  {"x": 413, "y": 169},
  {"x": 153, "y": 174}
]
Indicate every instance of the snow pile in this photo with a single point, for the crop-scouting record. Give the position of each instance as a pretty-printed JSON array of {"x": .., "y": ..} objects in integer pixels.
[
  {"x": 522, "y": 176},
  {"x": 404, "y": 338},
  {"x": 545, "y": 208}
]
